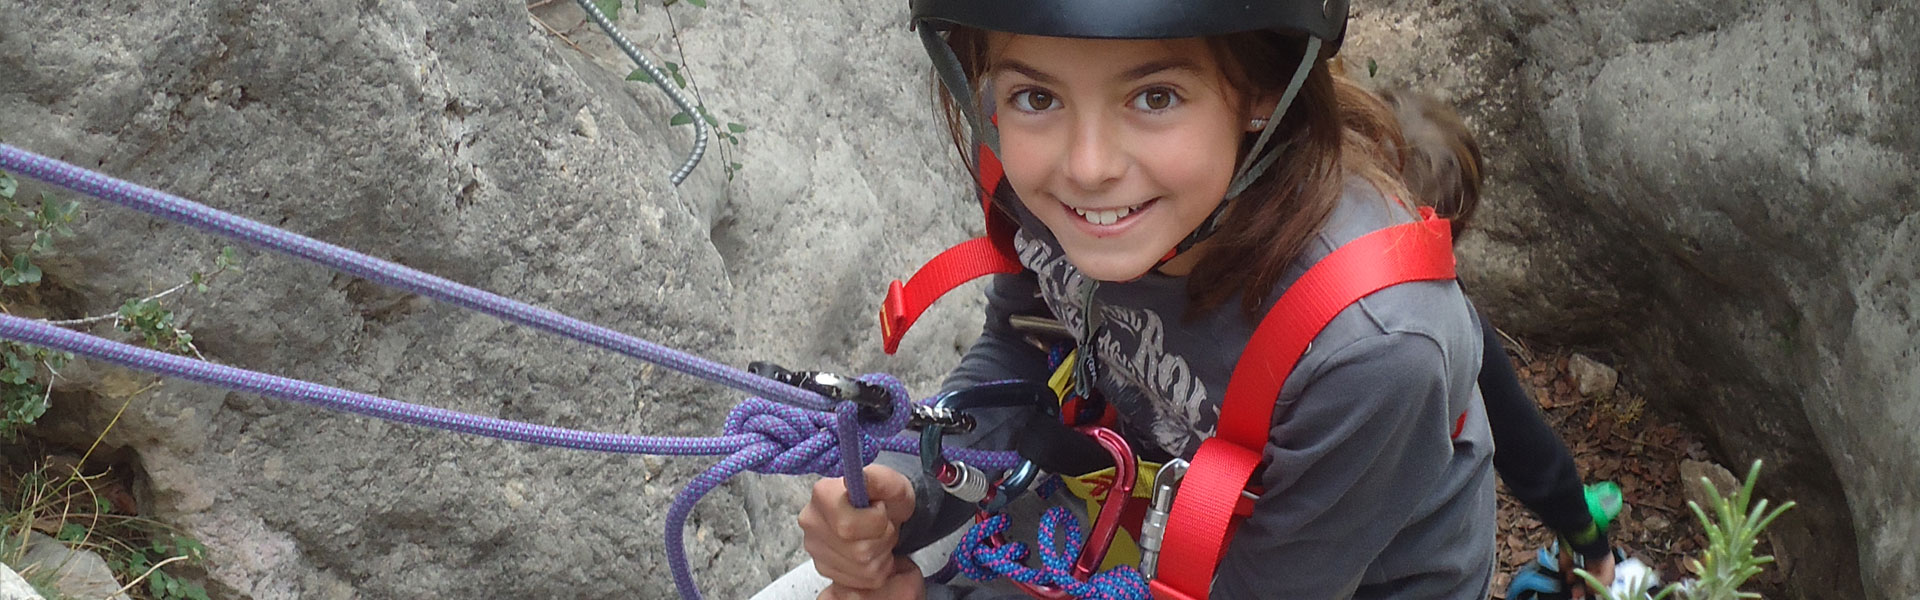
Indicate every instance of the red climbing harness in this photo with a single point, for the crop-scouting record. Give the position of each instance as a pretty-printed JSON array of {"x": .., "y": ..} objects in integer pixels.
[{"x": 1209, "y": 501}]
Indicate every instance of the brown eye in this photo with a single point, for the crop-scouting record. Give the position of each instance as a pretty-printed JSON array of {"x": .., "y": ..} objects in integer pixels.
[
  {"x": 1155, "y": 100},
  {"x": 1033, "y": 101}
]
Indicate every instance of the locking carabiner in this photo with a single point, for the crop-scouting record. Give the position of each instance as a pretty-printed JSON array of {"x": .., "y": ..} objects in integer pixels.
[{"x": 1153, "y": 529}]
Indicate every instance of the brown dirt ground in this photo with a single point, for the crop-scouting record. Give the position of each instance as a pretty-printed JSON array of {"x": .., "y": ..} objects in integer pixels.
[{"x": 1615, "y": 438}]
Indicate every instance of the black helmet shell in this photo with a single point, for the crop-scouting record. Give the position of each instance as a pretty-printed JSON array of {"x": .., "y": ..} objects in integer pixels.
[{"x": 1138, "y": 19}]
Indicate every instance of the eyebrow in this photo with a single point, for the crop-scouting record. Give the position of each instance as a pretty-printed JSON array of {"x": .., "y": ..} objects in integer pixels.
[{"x": 1145, "y": 69}]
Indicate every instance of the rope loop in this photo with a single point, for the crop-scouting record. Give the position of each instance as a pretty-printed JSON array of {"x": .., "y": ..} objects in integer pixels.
[
  {"x": 981, "y": 560},
  {"x": 806, "y": 439}
]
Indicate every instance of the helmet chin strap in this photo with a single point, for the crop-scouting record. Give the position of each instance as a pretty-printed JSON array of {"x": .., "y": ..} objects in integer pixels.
[{"x": 1255, "y": 164}]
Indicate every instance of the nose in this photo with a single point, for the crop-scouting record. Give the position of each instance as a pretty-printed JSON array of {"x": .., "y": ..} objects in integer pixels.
[{"x": 1095, "y": 158}]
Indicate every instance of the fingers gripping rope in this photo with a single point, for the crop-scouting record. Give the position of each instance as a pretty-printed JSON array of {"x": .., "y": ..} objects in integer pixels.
[
  {"x": 792, "y": 441},
  {"x": 982, "y": 561}
]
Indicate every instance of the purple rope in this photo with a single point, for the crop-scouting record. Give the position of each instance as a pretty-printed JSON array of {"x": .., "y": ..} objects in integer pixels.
[
  {"x": 186, "y": 212},
  {"x": 777, "y": 434}
]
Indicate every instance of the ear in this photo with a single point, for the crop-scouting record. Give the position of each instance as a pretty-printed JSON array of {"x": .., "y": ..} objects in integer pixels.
[{"x": 1260, "y": 111}]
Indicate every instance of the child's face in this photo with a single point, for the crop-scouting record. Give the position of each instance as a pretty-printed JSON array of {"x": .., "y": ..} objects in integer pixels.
[{"x": 1121, "y": 147}]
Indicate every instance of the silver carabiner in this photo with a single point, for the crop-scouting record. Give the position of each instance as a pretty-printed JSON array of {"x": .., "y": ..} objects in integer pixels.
[{"x": 1153, "y": 529}]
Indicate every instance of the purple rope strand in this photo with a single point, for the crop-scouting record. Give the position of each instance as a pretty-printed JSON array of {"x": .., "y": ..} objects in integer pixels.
[
  {"x": 41, "y": 334},
  {"x": 783, "y": 438},
  {"x": 186, "y": 212}
]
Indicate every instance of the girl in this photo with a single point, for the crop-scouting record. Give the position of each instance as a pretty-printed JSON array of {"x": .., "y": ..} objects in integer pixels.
[
  {"x": 1443, "y": 169},
  {"x": 1173, "y": 167}
]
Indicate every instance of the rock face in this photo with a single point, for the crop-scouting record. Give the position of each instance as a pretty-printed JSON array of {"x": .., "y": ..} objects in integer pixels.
[
  {"x": 1724, "y": 194},
  {"x": 1720, "y": 192},
  {"x": 466, "y": 140}
]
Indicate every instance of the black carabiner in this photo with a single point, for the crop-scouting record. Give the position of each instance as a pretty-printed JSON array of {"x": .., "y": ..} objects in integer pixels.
[{"x": 964, "y": 480}]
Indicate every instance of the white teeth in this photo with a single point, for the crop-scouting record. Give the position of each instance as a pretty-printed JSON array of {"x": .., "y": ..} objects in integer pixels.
[{"x": 1106, "y": 217}]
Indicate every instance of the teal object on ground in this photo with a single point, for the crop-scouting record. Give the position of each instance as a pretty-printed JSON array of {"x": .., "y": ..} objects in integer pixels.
[{"x": 1604, "y": 502}]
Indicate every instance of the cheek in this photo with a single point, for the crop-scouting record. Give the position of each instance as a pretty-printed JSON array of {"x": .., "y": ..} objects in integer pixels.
[
  {"x": 1026, "y": 162},
  {"x": 1205, "y": 159}
]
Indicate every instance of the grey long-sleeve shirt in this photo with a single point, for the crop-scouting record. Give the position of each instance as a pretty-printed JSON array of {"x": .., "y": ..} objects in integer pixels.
[{"x": 1368, "y": 495}]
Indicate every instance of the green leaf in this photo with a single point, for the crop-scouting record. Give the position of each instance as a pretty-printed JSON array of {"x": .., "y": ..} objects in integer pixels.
[
  {"x": 609, "y": 7},
  {"x": 736, "y": 166},
  {"x": 71, "y": 532},
  {"x": 42, "y": 242},
  {"x": 640, "y": 75},
  {"x": 699, "y": 3},
  {"x": 680, "y": 119},
  {"x": 1373, "y": 67},
  {"x": 736, "y": 128},
  {"x": 23, "y": 270},
  {"x": 192, "y": 548},
  {"x": 8, "y": 185}
]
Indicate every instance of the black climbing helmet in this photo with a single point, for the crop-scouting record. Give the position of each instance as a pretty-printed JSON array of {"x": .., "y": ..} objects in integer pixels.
[{"x": 1140, "y": 19}]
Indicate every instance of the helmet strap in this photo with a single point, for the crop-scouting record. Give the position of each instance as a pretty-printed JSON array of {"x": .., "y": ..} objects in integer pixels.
[
  {"x": 947, "y": 65},
  {"x": 1256, "y": 162}
]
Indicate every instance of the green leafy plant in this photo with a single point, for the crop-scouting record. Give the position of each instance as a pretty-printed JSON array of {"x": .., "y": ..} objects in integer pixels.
[
  {"x": 26, "y": 371},
  {"x": 62, "y": 501},
  {"x": 1733, "y": 530}
]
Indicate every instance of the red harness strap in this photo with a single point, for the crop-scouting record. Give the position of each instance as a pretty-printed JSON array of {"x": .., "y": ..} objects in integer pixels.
[
  {"x": 1199, "y": 524},
  {"x": 969, "y": 260}
]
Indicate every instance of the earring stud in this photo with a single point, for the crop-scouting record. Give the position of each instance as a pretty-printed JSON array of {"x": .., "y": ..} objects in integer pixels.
[{"x": 1257, "y": 124}]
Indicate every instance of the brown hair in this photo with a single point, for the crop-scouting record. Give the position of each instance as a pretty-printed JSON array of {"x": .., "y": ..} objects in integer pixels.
[
  {"x": 1442, "y": 161},
  {"x": 1334, "y": 129}
]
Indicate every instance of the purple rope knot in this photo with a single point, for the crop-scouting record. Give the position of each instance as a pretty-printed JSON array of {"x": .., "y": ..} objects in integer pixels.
[{"x": 793, "y": 440}]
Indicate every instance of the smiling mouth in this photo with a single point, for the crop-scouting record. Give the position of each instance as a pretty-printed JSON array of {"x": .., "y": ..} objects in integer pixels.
[{"x": 1109, "y": 216}]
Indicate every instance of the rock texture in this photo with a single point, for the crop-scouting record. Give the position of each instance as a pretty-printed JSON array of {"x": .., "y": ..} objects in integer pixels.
[
  {"x": 12, "y": 587},
  {"x": 1720, "y": 194},
  {"x": 466, "y": 140},
  {"x": 1723, "y": 194}
]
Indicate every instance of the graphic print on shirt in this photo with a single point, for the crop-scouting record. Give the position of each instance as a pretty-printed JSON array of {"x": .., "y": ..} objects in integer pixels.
[{"x": 1152, "y": 390}]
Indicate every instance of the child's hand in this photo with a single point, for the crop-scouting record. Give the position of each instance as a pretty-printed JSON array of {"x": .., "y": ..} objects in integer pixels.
[
  {"x": 853, "y": 547},
  {"x": 1600, "y": 568},
  {"x": 905, "y": 583}
]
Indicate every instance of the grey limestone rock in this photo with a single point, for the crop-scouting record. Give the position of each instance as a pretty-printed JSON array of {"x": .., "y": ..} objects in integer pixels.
[{"x": 1724, "y": 195}]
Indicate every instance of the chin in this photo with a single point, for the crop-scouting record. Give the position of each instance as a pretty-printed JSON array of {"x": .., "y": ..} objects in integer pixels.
[{"x": 1111, "y": 268}]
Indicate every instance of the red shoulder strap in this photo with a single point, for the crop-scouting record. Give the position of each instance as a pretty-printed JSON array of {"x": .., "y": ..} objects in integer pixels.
[
  {"x": 1197, "y": 526},
  {"x": 966, "y": 261}
]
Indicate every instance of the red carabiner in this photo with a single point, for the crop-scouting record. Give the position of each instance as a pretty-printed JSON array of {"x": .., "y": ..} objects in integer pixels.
[{"x": 1106, "y": 526}]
